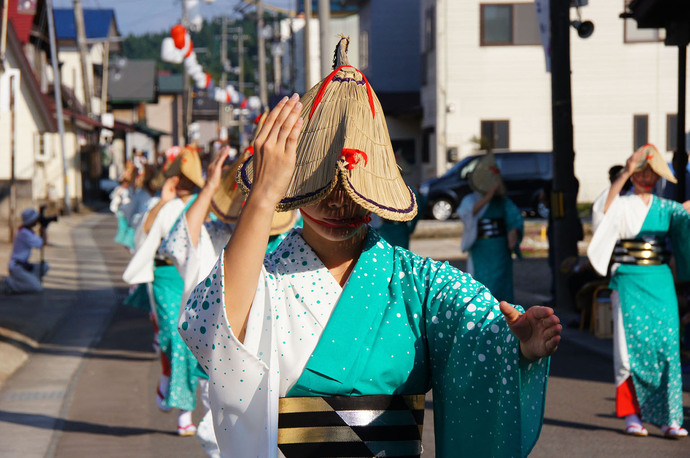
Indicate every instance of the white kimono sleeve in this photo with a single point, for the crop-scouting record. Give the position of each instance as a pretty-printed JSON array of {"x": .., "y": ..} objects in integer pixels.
[
  {"x": 140, "y": 267},
  {"x": 466, "y": 213}
]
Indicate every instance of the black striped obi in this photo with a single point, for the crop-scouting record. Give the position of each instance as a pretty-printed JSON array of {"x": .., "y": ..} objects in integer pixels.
[
  {"x": 162, "y": 262},
  {"x": 642, "y": 251},
  {"x": 488, "y": 228},
  {"x": 352, "y": 426}
]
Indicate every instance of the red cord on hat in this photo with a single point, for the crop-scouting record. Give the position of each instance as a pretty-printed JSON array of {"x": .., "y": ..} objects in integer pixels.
[
  {"x": 329, "y": 78},
  {"x": 352, "y": 157}
]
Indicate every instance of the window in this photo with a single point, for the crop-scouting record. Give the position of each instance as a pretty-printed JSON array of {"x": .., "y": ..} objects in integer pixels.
[
  {"x": 364, "y": 49},
  {"x": 671, "y": 132},
  {"x": 42, "y": 150},
  {"x": 509, "y": 24},
  {"x": 633, "y": 34},
  {"x": 429, "y": 29},
  {"x": 468, "y": 168},
  {"x": 428, "y": 139},
  {"x": 429, "y": 42},
  {"x": 640, "y": 131},
  {"x": 516, "y": 165},
  {"x": 496, "y": 132}
]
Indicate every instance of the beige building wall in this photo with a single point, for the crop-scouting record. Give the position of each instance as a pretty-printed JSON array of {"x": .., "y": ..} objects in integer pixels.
[{"x": 611, "y": 82}]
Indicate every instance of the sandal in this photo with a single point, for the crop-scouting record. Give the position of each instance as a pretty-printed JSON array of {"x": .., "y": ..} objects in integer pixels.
[
  {"x": 674, "y": 431},
  {"x": 188, "y": 430},
  {"x": 636, "y": 430}
]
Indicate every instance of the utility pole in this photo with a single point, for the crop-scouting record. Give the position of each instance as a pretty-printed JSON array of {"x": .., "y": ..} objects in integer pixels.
[
  {"x": 564, "y": 190},
  {"x": 680, "y": 156},
  {"x": 186, "y": 91},
  {"x": 307, "y": 43},
  {"x": 81, "y": 45},
  {"x": 223, "y": 76},
  {"x": 277, "y": 52},
  {"x": 292, "y": 50},
  {"x": 58, "y": 99},
  {"x": 106, "y": 76},
  {"x": 240, "y": 82},
  {"x": 324, "y": 36},
  {"x": 13, "y": 150},
  {"x": 262, "y": 52}
]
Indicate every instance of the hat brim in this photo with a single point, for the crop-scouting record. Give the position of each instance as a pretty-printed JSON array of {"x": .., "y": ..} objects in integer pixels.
[
  {"x": 283, "y": 221},
  {"x": 228, "y": 200},
  {"x": 656, "y": 162},
  {"x": 347, "y": 120}
]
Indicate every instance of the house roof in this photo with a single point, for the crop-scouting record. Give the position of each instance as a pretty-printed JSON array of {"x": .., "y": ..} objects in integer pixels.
[
  {"x": 132, "y": 81},
  {"x": 15, "y": 47},
  {"x": 170, "y": 84},
  {"x": 97, "y": 23},
  {"x": 21, "y": 15}
]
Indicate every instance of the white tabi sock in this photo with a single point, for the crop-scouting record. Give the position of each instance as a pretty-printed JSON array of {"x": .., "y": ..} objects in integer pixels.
[{"x": 185, "y": 418}]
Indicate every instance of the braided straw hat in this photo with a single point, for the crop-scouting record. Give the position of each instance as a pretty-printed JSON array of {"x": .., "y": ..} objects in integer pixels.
[
  {"x": 345, "y": 137},
  {"x": 485, "y": 175},
  {"x": 656, "y": 162},
  {"x": 228, "y": 200},
  {"x": 188, "y": 164}
]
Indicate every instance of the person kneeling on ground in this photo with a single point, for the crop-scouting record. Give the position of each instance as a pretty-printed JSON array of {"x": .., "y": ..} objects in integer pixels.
[{"x": 25, "y": 277}]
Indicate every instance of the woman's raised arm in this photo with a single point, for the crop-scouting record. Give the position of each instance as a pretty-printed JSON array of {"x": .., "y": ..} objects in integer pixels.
[{"x": 274, "y": 164}]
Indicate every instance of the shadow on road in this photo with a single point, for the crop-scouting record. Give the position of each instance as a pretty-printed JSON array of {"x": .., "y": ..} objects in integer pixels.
[{"x": 59, "y": 424}]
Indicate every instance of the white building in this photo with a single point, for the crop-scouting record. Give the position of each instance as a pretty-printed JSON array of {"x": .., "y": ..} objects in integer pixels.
[{"x": 484, "y": 75}]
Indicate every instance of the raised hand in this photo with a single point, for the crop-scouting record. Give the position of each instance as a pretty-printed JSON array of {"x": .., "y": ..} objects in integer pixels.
[
  {"x": 274, "y": 150},
  {"x": 169, "y": 189},
  {"x": 634, "y": 161},
  {"x": 215, "y": 169},
  {"x": 538, "y": 330}
]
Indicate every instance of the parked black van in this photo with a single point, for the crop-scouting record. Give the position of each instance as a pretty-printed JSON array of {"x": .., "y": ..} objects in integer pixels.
[{"x": 527, "y": 176}]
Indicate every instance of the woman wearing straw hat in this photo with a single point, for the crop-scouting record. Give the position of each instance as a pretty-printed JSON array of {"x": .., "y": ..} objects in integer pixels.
[
  {"x": 177, "y": 386},
  {"x": 327, "y": 346},
  {"x": 493, "y": 228},
  {"x": 631, "y": 237}
]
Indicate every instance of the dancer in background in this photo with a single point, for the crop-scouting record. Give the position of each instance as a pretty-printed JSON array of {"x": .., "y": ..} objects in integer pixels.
[
  {"x": 632, "y": 236},
  {"x": 178, "y": 382},
  {"x": 493, "y": 229}
]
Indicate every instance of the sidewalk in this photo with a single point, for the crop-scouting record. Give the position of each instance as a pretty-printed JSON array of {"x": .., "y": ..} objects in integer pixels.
[
  {"x": 49, "y": 336},
  {"x": 26, "y": 320}
]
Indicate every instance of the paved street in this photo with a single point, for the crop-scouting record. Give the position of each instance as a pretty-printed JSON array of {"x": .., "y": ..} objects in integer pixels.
[{"x": 86, "y": 378}]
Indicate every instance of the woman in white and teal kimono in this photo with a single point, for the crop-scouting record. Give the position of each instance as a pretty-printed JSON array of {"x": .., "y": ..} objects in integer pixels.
[
  {"x": 179, "y": 379},
  {"x": 327, "y": 346},
  {"x": 493, "y": 229},
  {"x": 631, "y": 237}
]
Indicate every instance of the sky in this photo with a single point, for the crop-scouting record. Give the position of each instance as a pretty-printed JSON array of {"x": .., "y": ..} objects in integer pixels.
[{"x": 141, "y": 16}]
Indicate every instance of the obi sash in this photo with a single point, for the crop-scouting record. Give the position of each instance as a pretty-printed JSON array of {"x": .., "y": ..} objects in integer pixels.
[
  {"x": 353, "y": 426},
  {"x": 488, "y": 228},
  {"x": 642, "y": 251}
]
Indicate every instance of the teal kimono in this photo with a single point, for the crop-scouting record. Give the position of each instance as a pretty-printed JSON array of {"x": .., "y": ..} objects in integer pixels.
[
  {"x": 401, "y": 325},
  {"x": 649, "y": 309},
  {"x": 490, "y": 260},
  {"x": 168, "y": 287}
]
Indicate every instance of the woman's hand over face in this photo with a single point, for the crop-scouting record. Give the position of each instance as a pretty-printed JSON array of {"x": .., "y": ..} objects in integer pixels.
[{"x": 275, "y": 150}]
